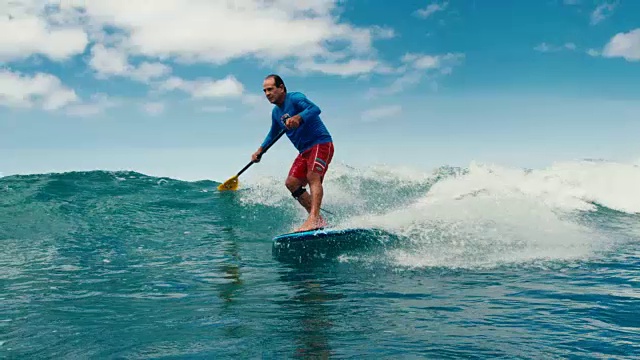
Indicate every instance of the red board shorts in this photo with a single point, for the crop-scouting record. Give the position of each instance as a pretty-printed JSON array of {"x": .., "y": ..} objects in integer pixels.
[{"x": 315, "y": 159}]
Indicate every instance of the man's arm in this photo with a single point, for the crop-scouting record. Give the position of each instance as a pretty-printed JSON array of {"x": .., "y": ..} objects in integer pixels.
[{"x": 307, "y": 108}]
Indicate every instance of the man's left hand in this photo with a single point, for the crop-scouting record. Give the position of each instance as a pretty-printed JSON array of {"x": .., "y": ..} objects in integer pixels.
[{"x": 293, "y": 122}]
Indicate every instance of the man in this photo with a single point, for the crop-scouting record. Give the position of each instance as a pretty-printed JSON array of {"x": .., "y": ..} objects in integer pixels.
[{"x": 299, "y": 117}]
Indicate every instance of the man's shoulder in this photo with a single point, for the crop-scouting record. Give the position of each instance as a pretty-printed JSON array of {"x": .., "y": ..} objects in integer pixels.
[{"x": 296, "y": 95}]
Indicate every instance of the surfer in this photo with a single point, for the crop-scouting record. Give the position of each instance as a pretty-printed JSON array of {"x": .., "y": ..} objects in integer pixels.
[{"x": 299, "y": 117}]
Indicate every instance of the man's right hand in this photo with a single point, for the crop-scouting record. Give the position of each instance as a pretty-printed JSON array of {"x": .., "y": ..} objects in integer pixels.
[{"x": 256, "y": 155}]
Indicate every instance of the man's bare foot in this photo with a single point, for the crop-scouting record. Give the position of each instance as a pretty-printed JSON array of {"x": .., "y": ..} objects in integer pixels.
[{"x": 312, "y": 223}]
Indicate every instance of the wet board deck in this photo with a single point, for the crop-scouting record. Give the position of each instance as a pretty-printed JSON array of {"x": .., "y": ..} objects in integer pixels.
[
  {"x": 323, "y": 242},
  {"x": 316, "y": 234}
]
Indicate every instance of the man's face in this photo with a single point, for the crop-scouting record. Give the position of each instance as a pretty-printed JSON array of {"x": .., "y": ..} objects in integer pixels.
[{"x": 274, "y": 94}]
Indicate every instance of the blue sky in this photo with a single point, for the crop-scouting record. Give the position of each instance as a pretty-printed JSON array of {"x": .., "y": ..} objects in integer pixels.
[{"x": 173, "y": 88}]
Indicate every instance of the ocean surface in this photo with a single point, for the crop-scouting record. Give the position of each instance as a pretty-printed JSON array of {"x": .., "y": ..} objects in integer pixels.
[{"x": 475, "y": 263}]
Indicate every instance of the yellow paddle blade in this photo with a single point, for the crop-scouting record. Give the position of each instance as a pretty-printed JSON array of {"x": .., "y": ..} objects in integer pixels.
[{"x": 231, "y": 184}]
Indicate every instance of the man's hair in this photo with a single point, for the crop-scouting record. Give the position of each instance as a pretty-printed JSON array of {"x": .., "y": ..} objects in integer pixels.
[{"x": 278, "y": 80}]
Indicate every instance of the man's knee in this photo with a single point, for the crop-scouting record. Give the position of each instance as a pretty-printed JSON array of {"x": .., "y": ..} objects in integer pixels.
[
  {"x": 292, "y": 183},
  {"x": 295, "y": 186},
  {"x": 298, "y": 192}
]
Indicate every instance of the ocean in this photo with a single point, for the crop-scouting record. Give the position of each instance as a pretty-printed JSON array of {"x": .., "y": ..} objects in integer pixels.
[{"x": 484, "y": 262}]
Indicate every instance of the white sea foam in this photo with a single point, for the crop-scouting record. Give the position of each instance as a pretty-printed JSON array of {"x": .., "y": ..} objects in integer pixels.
[
  {"x": 493, "y": 215},
  {"x": 485, "y": 216},
  {"x": 565, "y": 186},
  {"x": 482, "y": 231},
  {"x": 344, "y": 186}
]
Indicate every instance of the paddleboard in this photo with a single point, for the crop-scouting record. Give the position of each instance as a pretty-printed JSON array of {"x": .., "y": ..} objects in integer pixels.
[
  {"x": 325, "y": 242},
  {"x": 316, "y": 234}
]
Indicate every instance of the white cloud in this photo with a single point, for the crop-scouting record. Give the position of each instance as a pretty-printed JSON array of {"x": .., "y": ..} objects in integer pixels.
[
  {"x": 431, "y": 9},
  {"x": 219, "y": 31},
  {"x": 624, "y": 45},
  {"x": 421, "y": 61},
  {"x": 416, "y": 67},
  {"x": 26, "y": 30},
  {"x": 602, "y": 12},
  {"x": 96, "y": 105},
  {"x": 42, "y": 90},
  {"x": 205, "y": 88},
  {"x": 108, "y": 61},
  {"x": 444, "y": 63},
  {"x": 593, "y": 52},
  {"x": 310, "y": 34},
  {"x": 147, "y": 71},
  {"x": 153, "y": 108},
  {"x": 58, "y": 97},
  {"x": 349, "y": 68},
  {"x": 381, "y": 112},
  {"x": 401, "y": 83},
  {"x": 46, "y": 91},
  {"x": 544, "y": 47},
  {"x": 380, "y": 32},
  {"x": 111, "y": 61}
]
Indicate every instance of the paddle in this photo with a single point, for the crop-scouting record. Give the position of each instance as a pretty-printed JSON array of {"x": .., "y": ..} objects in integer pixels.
[{"x": 232, "y": 183}]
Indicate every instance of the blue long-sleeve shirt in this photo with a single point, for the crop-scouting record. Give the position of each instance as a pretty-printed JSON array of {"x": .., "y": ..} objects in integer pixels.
[{"x": 311, "y": 131}]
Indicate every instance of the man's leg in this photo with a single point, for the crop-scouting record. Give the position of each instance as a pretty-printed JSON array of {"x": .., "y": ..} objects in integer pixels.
[
  {"x": 317, "y": 167},
  {"x": 315, "y": 186},
  {"x": 297, "y": 179},
  {"x": 313, "y": 201},
  {"x": 294, "y": 184}
]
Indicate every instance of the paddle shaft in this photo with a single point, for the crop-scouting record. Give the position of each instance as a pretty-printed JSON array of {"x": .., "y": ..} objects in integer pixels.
[{"x": 263, "y": 151}]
